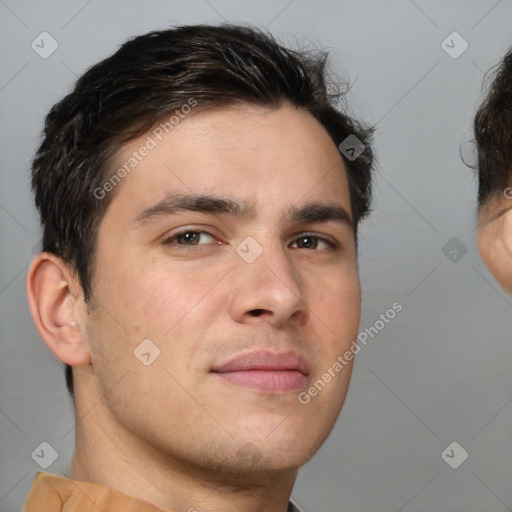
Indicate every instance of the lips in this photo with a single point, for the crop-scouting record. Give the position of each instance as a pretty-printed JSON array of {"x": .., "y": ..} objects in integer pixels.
[{"x": 271, "y": 372}]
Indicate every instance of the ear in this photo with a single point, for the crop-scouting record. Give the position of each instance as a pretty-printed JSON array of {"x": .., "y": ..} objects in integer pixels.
[
  {"x": 56, "y": 302},
  {"x": 495, "y": 247}
]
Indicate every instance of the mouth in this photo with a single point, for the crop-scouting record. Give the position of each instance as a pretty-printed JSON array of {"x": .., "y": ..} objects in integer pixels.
[{"x": 264, "y": 370}]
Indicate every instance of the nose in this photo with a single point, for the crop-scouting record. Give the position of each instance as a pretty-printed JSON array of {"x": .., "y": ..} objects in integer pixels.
[{"x": 268, "y": 289}]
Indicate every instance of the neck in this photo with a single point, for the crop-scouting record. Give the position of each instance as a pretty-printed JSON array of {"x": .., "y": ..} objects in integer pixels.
[{"x": 108, "y": 454}]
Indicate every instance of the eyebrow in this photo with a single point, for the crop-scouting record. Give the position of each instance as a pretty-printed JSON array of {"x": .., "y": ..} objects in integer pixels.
[{"x": 207, "y": 204}]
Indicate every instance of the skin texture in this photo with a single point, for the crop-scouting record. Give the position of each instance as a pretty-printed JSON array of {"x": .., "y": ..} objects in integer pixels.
[
  {"x": 174, "y": 433},
  {"x": 495, "y": 238}
]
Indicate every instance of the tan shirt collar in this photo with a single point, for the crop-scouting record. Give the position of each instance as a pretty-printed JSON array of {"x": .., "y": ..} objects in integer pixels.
[{"x": 53, "y": 493}]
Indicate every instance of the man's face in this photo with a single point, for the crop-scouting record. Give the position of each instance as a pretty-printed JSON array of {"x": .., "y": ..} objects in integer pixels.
[{"x": 202, "y": 300}]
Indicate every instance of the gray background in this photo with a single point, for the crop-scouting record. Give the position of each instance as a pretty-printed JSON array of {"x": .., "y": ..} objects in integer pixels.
[{"x": 439, "y": 371}]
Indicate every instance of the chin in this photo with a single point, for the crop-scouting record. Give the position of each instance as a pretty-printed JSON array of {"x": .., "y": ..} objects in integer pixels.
[
  {"x": 280, "y": 450},
  {"x": 251, "y": 460}
]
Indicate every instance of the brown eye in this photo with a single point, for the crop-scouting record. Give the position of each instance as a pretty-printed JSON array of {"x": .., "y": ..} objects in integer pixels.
[
  {"x": 308, "y": 241},
  {"x": 188, "y": 238}
]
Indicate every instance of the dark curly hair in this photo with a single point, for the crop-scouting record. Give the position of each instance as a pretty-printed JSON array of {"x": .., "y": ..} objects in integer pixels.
[
  {"x": 493, "y": 133},
  {"x": 152, "y": 76}
]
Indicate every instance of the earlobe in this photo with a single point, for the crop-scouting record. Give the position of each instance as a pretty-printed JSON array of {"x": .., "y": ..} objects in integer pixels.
[
  {"x": 495, "y": 247},
  {"x": 57, "y": 308}
]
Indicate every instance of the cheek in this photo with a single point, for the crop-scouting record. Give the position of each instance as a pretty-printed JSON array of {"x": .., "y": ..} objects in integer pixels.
[
  {"x": 496, "y": 251},
  {"x": 162, "y": 302},
  {"x": 338, "y": 294},
  {"x": 340, "y": 307}
]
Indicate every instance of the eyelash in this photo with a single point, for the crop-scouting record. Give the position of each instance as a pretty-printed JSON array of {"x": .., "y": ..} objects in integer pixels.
[{"x": 332, "y": 245}]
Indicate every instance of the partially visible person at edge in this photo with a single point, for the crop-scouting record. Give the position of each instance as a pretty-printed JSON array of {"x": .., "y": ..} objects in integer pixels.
[
  {"x": 199, "y": 270},
  {"x": 493, "y": 141}
]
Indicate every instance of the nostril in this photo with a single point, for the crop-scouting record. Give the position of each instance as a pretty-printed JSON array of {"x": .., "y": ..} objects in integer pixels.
[{"x": 257, "y": 312}]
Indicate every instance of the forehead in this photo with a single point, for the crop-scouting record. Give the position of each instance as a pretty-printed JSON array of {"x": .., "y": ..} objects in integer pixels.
[{"x": 253, "y": 153}]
